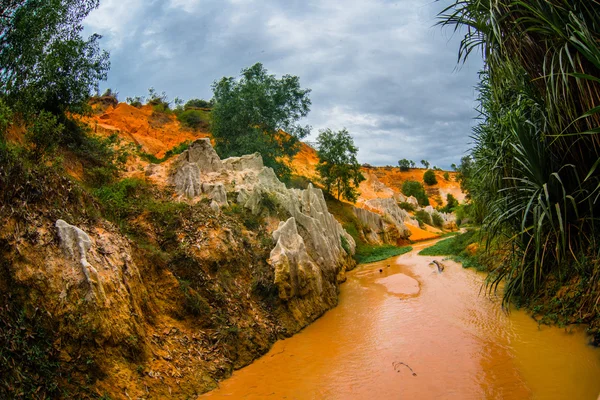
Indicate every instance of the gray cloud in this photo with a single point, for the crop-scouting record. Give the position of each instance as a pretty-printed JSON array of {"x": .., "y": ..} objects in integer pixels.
[{"x": 378, "y": 68}]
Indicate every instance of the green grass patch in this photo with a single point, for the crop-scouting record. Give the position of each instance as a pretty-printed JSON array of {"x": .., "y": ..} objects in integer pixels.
[
  {"x": 455, "y": 248},
  {"x": 180, "y": 148},
  {"x": 369, "y": 254}
]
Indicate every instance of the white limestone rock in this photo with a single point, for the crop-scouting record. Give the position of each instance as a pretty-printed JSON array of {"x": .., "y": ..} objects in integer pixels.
[
  {"x": 376, "y": 230},
  {"x": 246, "y": 162},
  {"x": 76, "y": 243},
  {"x": 390, "y": 210},
  {"x": 296, "y": 274}
]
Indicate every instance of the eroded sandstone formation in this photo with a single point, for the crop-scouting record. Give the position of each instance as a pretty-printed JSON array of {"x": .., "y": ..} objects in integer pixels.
[{"x": 311, "y": 245}]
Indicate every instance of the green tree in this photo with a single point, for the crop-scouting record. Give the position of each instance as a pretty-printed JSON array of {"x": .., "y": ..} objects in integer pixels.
[
  {"x": 425, "y": 163},
  {"x": 259, "y": 113},
  {"x": 412, "y": 164},
  {"x": 404, "y": 164},
  {"x": 429, "y": 177},
  {"x": 446, "y": 176},
  {"x": 46, "y": 64},
  {"x": 414, "y": 188},
  {"x": 451, "y": 203},
  {"x": 338, "y": 165}
]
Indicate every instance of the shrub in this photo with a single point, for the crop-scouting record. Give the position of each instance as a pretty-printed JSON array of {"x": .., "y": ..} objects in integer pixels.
[
  {"x": 406, "y": 206},
  {"x": 345, "y": 244},
  {"x": 136, "y": 101},
  {"x": 197, "y": 103},
  {"x": 414, "y": 188},
  {"x": 423, "y": 217},
  {"x": 429, "y": 177},
  {"x": 446, "y": 176},
  {"x": 437, "y": 220},
  {"x": 5, "y": 119},
  {"x": 193, "y": 119},
  {"x": 44, "y": 134},
  {"x": 451, "y": 203}
]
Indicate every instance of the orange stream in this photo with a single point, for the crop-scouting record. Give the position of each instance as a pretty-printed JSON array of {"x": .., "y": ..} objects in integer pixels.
[{"x": 458, "y": 342}]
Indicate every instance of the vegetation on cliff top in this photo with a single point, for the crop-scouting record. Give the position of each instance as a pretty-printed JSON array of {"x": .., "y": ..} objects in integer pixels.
[
  {"x": 338, "y": 166},
  {"x": 250, "y": 113}
]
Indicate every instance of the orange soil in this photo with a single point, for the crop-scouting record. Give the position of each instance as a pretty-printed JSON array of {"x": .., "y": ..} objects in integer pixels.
[
  {"x": 394, "y": 178},
  {"x": 418, "y": 234},
  {"x": 155, "y": 133},
  {"x": 305, "y": 162}
]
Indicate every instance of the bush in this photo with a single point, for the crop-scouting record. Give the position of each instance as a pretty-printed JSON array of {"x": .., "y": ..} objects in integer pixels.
[
  {"x": 446, "y": 176},
  {"x": 345, "y": 244},
  {"x": 6, "y": 118},
  {"x": 136, "y": 101},
  {"x": 193, "y": 119},
  {"x": 197, "y": 103},
  {"x": 406, "y": 206},
  {"x": 429, "y": 177},
  {"x": 423, "y": 217},
  {"x": 437, "y": 220},
  {"x": 44, "y": 134},
  {"x": 414, "y": 188}
]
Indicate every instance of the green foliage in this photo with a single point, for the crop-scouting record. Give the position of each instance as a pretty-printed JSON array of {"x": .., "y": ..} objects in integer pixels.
[
  {"x": 29, "y": 366},
  {"x": 406, "y": 206},
  {"x": 250, "y": 113},
  {"x": 194, "y": 119},
  {"x": 370, "y": 254},
  {"x": 451, "y": 204},
  {"x": 456, "y": 246},
  {"x": 437, "y": 220},
  {"x": 102, "y": 158},
  {"x": 446, "y": 176},
  {"x": 44, "y": 134},
  {"x": 534, "y": 169},
  {"x": 338, "y": 166},
  {"x": 159, "y": 101},
  {"x": 404, "y": 164},
  {"x": 136, "y": 101},
  {"x": 197, "y": 103},
  {"x": 423, "y": 217},
  {"x": 429, "y": 177},
  {"x": 122, "y": 198},
  {"x": 414, "y": 188},
  {"x": 345, "y": 244},
  {"x": 425, "y": 164},
  {"x": 194, "y": 304},
  {"x": 180, "y": 148},
  {"x": 6, "y": 119},
  {"x": 46, "y": 65}
]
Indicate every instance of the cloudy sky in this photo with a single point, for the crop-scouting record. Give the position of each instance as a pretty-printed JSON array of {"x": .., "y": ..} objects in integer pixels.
[{"x": 379, "y": 68}]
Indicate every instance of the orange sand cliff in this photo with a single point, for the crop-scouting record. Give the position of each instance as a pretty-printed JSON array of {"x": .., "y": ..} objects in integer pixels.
[{"x": 158, "y": 133}]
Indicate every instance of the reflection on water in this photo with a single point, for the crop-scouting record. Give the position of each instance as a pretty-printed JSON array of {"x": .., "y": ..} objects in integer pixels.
[{"x": 460, "y": 345}]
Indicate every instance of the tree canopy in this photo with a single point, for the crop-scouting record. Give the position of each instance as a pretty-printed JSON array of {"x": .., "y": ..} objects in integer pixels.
[
  {"x": 260, "y": 113},
  {"x": 338, "y": 165},
  {"x": 404, "y": 164},
  {"x": 46, "y": 64},
  {"x": 414, "y": 188}
]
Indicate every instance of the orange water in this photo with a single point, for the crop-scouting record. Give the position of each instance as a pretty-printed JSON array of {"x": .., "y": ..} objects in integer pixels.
[{"x": 410, "y": 318}]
